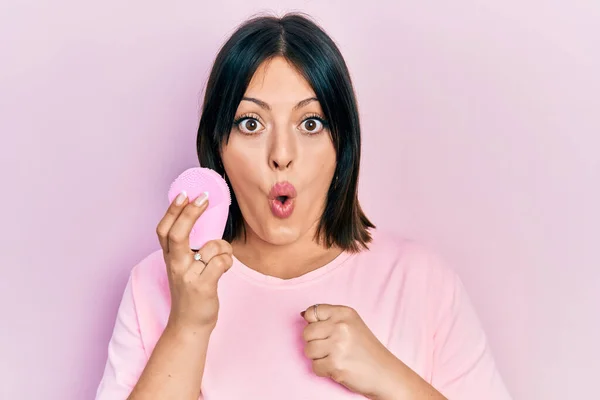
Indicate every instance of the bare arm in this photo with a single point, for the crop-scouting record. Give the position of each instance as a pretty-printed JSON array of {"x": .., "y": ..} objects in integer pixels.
[
  {"x": 175, "y": 369},
  {"x": 176, "y": 366}
]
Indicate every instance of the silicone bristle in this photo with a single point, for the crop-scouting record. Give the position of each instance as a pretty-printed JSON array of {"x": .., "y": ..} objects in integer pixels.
[
  {"x": 196, "y": 180},
  {"x": 211, "y": 224},
  {"x": 222, "y": 183}
]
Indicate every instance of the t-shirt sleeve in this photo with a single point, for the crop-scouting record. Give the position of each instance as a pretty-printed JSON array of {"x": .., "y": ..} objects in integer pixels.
[
  {"x": 463, "y": 366},
  {"x": 126, "y": 355}
]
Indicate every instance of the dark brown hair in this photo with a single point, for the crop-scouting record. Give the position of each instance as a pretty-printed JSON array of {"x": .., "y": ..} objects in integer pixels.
[{"x": 306, "y": 46}]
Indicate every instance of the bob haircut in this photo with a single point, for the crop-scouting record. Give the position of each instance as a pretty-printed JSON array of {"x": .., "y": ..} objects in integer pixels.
[{"x": 314, "y": 54}]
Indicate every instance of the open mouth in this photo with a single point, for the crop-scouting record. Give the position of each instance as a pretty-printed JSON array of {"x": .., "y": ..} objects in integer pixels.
[{"x": 282, "y": 199}]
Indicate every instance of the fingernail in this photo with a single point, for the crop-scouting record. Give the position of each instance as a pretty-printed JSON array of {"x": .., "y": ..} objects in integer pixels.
[
  {"x": 181, "y": 198},
  {"x": 201, "y": 199}
]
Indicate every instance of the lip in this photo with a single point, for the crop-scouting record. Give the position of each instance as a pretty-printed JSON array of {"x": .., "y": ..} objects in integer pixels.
[{"x": 278, "y": 208}]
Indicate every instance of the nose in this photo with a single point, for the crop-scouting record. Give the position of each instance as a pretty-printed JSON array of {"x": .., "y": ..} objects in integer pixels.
[{"x": 283, "y": 150}]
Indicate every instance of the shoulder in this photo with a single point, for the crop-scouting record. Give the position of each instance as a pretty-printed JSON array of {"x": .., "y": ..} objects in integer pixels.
[
  {"x": 397, "y": 255},
  {"x": 150, "y": 267},
  {"x": 413, "y": 270},
  {"x": 149, "y": 280}
]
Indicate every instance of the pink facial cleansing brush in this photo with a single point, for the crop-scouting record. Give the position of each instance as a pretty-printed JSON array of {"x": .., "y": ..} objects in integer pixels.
[{"x": 211, "y": 224}]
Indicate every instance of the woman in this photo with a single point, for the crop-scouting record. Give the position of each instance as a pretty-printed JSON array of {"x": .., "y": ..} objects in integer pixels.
[{"x": 303, "y": 299}]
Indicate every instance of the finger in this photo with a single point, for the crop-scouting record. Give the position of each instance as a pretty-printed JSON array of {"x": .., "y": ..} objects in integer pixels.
[
  {"x": 318, "y": 330},
  {"x": 209, "y": 251},
  {"x": 164, "y": 226},
  {"x": 216, "y": 268},
  {"x": 179, "y": 234},
  {"x": 320, "y": 312},
  {"x": 198, "y": 267},
  {"x": 317, "y": 349},
  {"x": 213, "y": 248},
  {"x": 321, "y": 367}
]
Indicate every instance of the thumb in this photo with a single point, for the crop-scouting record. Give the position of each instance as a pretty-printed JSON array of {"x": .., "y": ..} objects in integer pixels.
[
  {"x": 318, "y": 312},
  {"x": 217, "y": 267}
]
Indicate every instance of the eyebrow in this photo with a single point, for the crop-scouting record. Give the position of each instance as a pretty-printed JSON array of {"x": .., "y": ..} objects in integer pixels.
[{"x": 267, "y": 107}]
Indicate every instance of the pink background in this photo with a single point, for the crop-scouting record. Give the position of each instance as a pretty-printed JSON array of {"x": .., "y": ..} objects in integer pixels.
[{"x": 481, "y": 137}]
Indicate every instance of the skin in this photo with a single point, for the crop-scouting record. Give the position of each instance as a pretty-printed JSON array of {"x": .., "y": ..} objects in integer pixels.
[
  {"x": 279, "y": 140},
  {"x": 280, "y": 143}
]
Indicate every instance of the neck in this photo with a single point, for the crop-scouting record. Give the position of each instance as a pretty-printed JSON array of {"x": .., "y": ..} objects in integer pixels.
[{"x": 285, "y": 261}]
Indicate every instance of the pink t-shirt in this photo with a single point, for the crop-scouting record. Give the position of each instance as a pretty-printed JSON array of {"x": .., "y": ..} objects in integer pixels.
[{"x": 416, "y": 306}]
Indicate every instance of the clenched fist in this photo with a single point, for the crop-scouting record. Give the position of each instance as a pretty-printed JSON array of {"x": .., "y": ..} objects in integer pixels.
[{"x": 343, "y": 348}]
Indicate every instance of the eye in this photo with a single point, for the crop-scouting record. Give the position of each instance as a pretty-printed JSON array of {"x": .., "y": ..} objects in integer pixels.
[
  {"x": 248, "y": 125},
  {"x": 312, "y": 125}
]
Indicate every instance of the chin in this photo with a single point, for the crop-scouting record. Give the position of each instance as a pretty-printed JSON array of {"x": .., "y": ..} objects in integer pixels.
[{"x": 280, "y": 234}]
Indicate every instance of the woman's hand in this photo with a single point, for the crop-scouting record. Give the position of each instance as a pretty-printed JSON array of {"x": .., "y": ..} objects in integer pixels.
[
  {"x": 193, "y": 284},
  {"x": 343, "y": 348},
  {"x": 176, "y": 366}
]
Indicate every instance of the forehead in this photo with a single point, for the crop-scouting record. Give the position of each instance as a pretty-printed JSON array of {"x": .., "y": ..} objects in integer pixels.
[{"x": 277, "y": 82}]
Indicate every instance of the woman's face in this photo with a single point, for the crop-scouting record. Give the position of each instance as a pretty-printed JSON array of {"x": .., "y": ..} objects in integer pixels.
[{"x": 280, "y": 157}]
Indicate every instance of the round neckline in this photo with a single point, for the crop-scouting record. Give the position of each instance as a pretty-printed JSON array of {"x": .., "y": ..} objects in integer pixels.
[{"x": 252, "y": 275}]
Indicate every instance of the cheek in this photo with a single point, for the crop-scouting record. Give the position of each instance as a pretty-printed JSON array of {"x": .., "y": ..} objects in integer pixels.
[
  {"x": 324, "y": 161},
  {"x": 241, "y": 164},
  {"x": 318, "y": 167}
]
